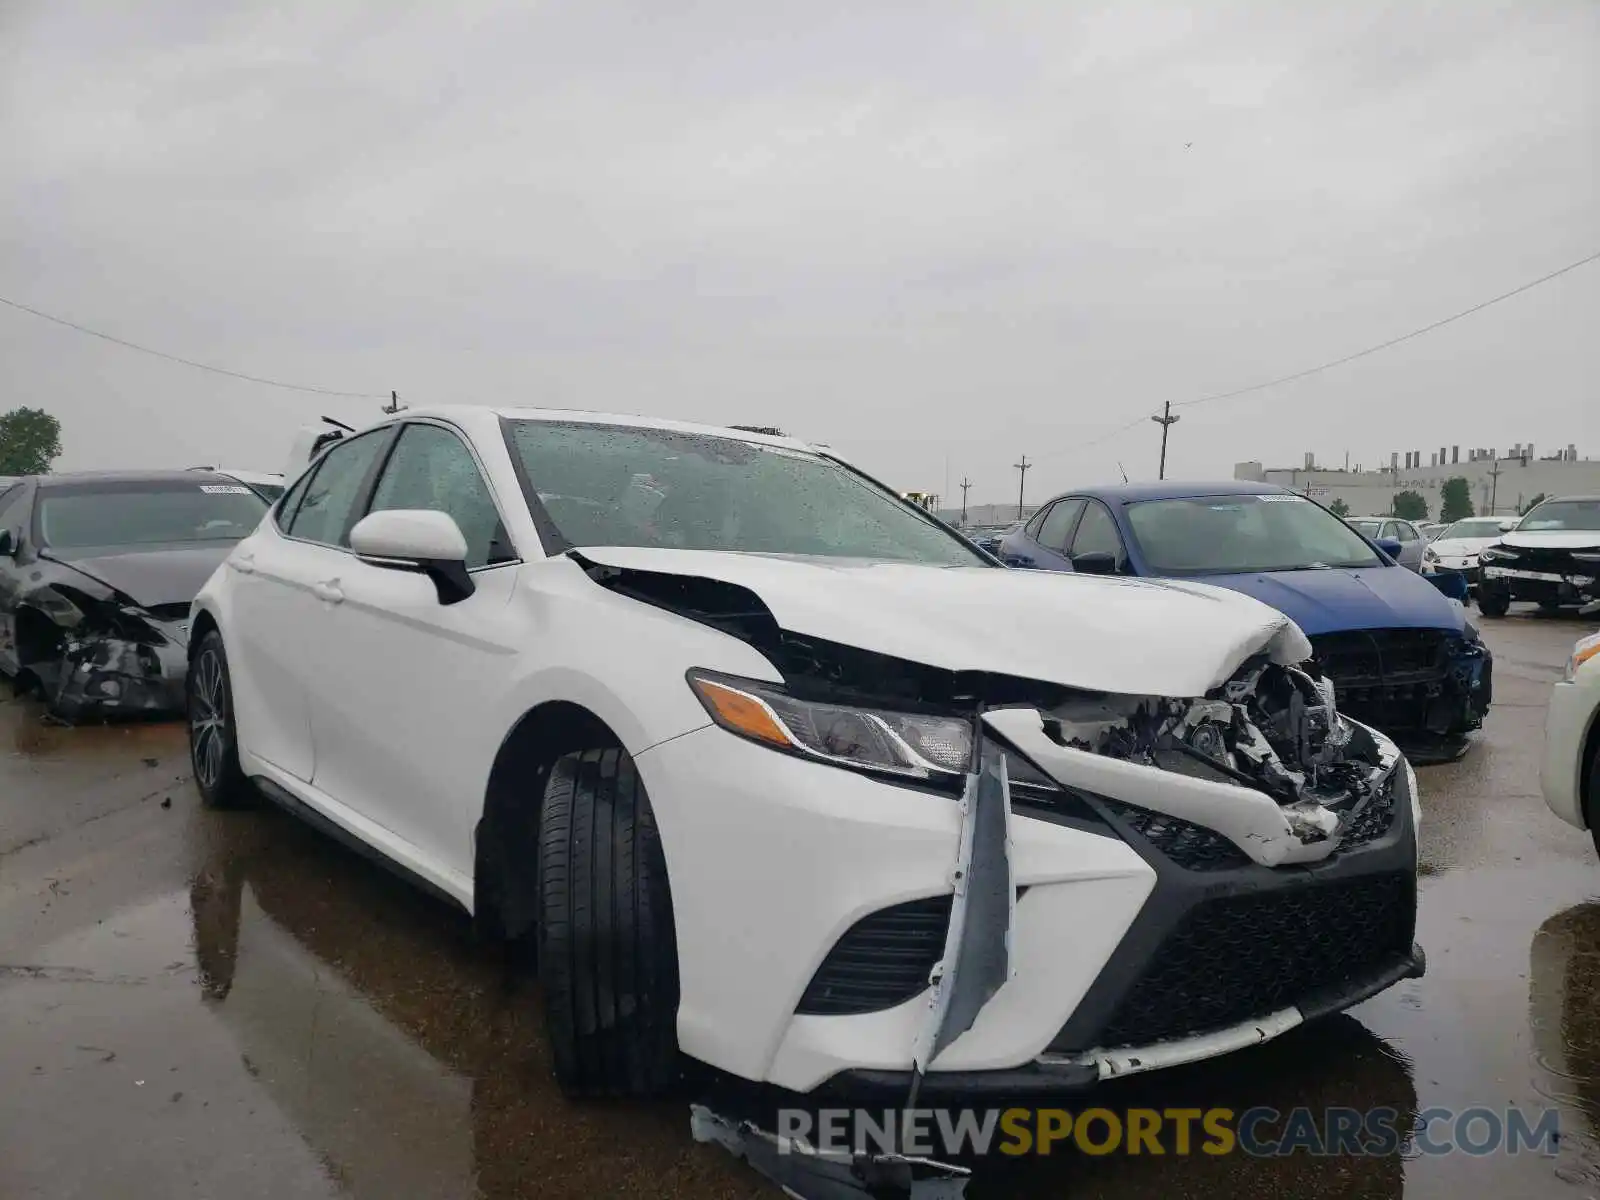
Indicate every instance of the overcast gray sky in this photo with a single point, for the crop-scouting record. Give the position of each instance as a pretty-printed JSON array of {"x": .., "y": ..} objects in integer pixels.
[{"x": 933, "y": 235}]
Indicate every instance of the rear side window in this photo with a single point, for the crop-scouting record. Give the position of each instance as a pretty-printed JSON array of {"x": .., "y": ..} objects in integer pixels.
[
  {"x": 8, "y": 497},
  {"x": 431, "y": 468},
  {"x": 332, "y": 492},
  {"x": 1407, "y": 533}
]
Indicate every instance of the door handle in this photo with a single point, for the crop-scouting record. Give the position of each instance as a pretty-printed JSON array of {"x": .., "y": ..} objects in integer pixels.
[
  {"x": 245, "y": 564},
  {"x": 328, "y": 590}
]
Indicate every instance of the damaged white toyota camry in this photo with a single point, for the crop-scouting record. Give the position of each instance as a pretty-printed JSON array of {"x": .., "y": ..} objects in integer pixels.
[{"x": 776, "y": 771}]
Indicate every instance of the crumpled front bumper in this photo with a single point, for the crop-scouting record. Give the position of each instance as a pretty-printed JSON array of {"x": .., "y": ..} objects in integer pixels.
[
  {"x": 777, "y": 865},
  {"x": 107, "y": 676}
]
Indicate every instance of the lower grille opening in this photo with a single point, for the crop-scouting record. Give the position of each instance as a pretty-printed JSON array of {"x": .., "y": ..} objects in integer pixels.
[
  {"x": 1240, "y": 957},
  {"x": 882, "y": 960}
]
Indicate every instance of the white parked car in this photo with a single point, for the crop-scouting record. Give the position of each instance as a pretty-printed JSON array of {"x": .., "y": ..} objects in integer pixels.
[
  {"x": 1458, "y": 546},
  {"x": 779, "y": 772},
  {"x": 1570, "y": 776}
]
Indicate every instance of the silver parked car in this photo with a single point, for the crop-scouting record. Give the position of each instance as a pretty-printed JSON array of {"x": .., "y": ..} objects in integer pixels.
[{"x": 1401, "y": 540}]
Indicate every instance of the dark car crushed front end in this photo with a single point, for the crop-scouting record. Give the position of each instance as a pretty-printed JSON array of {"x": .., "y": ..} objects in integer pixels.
[
  {"x": 1426, "y": 688},
  {"x": 97, "y": 575},
  {"x": 102, "y": 653}
]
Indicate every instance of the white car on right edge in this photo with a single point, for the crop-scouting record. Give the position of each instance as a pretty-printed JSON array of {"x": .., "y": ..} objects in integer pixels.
[{"x": 1570, "y": 776}]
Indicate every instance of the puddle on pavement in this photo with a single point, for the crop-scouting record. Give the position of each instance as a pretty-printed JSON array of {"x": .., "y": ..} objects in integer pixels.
[{"x": 341, "y": 1021}]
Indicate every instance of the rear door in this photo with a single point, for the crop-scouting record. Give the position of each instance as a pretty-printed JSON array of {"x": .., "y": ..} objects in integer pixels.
[
  {"x": 404, "y": 735},
  {"x": 279, "y": 633}
]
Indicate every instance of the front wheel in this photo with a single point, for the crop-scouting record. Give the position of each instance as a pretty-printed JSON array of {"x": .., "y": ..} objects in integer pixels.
[
  {"x": 213, "y": 735},
  {"x": 1594, "y": 793},
  {"x": 1492, "y": 602},
  {"x": 608, "y": 954}
]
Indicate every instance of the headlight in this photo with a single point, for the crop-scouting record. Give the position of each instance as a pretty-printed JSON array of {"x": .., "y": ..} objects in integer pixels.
[
  {"x": 1430, "y": 555},
  {"x": 907, "y": 745},
  {"x": 1495, "y": 554},
  {"x": 1586, "y": 649}
]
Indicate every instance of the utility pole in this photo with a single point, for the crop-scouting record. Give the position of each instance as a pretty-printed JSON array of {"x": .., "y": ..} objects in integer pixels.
[
  {"x": 966, "y": 485},
  {"x": 1022, "y": 468},
  {"x": 1166, "y": 420},
  {"x": 1494, "y": 475}
]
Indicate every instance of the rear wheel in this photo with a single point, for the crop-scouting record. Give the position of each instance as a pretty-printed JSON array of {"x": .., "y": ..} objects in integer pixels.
[
  {"x": 1492, "y": 602},
  {"x": 213, "y": 736},
  {"x": 1550, "y": 607},
  {"x": 608, "y": 958}
]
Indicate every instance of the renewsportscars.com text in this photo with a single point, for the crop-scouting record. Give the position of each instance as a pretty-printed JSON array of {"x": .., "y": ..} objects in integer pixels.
[{"x": 1260, "y": 1132}]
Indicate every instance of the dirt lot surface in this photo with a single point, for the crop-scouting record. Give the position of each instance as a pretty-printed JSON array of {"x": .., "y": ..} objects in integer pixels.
[{"x": 229, "y": 1005}]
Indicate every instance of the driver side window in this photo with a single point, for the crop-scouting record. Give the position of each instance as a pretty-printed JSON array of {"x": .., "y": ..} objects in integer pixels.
[
  {"x": 431, "y": 468},
  {"x": 1097, "y": 534}
]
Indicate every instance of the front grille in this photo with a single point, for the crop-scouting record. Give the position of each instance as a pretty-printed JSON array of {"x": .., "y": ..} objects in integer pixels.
[
  {"x": 1377, "y": 657},
  {"x": 1557, "y": 562},
  {"x": 1240, "y": 957},
  {"x": 1191, "y": 846},
  {"x": 882, "y": 960}
]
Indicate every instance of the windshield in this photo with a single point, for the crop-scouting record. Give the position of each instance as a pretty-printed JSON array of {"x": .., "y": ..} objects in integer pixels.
[
  {"x": 1369, "y": 528},
  {"x": 81, "y": 515},
  {"x": 607, "y": 485},
  {"x": 1472, "y": 527},
  {"x": 1203, "y": 535},
  {"x": 1575, "y": 515}
]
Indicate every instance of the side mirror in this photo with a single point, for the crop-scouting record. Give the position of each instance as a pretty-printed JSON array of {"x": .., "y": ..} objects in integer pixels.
[
  {"x": 1095, "y": 562},
  {"x": 8, "y": 545},
  {"x": 1507, "y": 524},
  {"x": 415, "y": 539},
  {"x": 1390, "y": 546}
]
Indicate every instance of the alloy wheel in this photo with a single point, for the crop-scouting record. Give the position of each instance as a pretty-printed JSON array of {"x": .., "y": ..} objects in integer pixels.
[{"x": 208, "y": 718}]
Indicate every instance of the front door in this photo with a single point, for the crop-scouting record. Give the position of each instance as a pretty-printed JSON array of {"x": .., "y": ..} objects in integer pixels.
[{"x": 404, "y": 733}]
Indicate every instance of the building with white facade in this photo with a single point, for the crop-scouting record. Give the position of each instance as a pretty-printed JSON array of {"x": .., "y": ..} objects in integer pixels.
[{"x": 1500, "y": 484}]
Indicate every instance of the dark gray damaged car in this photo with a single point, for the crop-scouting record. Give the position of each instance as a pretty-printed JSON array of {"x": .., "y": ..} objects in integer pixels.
[{"x": 97, "y": 572}]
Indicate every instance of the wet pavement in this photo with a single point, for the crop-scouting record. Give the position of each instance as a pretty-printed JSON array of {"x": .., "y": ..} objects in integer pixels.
[{"x": 201, "y": 1004}]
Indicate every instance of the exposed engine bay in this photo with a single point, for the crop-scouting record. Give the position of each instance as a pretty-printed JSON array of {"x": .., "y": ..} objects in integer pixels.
[{"x": 1273, "y": 728}]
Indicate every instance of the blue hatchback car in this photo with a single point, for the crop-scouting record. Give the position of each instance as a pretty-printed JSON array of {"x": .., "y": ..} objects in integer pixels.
[{"x": 1402, "y": 656}]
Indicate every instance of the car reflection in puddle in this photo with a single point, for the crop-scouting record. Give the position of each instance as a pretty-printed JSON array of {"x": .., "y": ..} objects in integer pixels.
[
  {"x": 1564, "y": 1014},
  {"x": 413, "y": 1065}
]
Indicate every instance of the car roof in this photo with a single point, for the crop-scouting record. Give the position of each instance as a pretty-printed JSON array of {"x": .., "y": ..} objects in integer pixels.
[
  {"x": 79, "y": 477},
  {"x": 1551, "y": 499},
  {"x": 452, "y": 411},
  {"x": 1127, "y": 493}
]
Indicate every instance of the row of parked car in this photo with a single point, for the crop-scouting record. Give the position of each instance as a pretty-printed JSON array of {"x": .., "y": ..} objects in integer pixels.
[{"x": 770, "y": 767}]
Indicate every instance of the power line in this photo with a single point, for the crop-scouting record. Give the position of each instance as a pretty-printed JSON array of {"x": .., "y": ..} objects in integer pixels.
[
  {"x": 189, "y": 362},
  {"x": 1404, "y": 337}
]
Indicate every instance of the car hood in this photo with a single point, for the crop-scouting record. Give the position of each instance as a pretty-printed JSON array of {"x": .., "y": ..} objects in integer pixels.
[
  {"x": 149, "y": 575},
  {"x": 1457, "y": 547},
  {"x": 1328, "y": 601},
  {"x": 1135, "y": 636},
  {"x": 1553, "y": 539}
]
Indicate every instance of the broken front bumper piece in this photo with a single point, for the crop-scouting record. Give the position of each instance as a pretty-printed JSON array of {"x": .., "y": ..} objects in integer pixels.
[
  {"x": 822, "y": 1174},
  {"x": 111, "y": 675}
]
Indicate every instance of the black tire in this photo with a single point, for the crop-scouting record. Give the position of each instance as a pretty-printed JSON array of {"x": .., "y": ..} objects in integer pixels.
[
  {"x": 1550, "y": 608},
  {"x": 213, "y": 734},
  {"x": 1493, "y": 603},
  {"x": 608, "y": 955}
]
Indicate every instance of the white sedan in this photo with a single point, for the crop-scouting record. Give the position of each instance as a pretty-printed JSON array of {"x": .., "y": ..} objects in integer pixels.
[
  {"x": 776, "y": 771},
  {"x": 1456, "y": 548},
  {"x": 1570, "y": 775}
]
